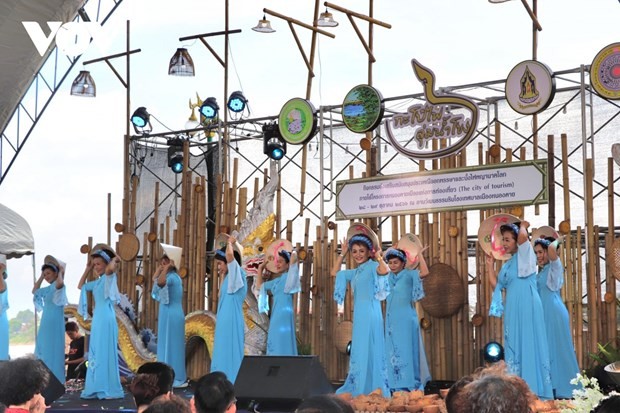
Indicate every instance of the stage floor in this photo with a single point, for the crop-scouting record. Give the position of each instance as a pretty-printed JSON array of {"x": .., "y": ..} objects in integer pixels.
[{"x": 71, "y": 402}]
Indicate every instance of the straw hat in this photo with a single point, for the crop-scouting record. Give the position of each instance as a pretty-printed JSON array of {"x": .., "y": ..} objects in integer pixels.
[
  {"x": 271, "y": 254},
  {"x": 222, "y": 240},
  {"x": 544, "y": 232},
  {"x": 363, "y": 229},
  {"x": 172, "y": 252},
  {"x": 489, "y": 235},
  {"x": 412, "y": 246},
  {"x": 50, "y": 260},
  {"x": 102, "y": 247}
]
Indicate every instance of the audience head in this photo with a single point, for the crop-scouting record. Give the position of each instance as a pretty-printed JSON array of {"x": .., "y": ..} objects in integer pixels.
[
  {"x": 164, "y": 373},
  {"x": 214, "y": 393},
  {"x": 21, "y": 380},
  {"x": 609, "y": 405},
  {"x": 456, "y": 400},
  {"x": 498, "y": 393},
  {"x": 144, "y": 389},
  {"x": 324, "y": 403},
  {"x": 174, "y": 404}
]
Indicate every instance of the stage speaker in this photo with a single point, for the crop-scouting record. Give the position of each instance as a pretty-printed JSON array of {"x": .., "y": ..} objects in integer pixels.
[
  {"x": 279, "y": 383},
  {"x": 54, "y": 388}
]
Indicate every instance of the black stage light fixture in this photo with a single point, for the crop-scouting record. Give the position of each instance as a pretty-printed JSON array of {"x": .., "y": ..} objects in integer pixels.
[
  {"x": 236, "y": 102},
  {"x": 175, "y": 155},
  {"x": 493, "y": 352},
  {"x": 209, "y": 108},
  {"x": 273, "y": 144}
]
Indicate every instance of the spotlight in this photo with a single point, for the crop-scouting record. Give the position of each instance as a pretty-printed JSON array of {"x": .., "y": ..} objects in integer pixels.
[
  {"x": 326, "y": 20},
  {"x": 84, "y": 85},
  {"x": 349, "y": 348},
  {"x": 141, "y": 121},
  {"x": 175, "y": 155},
  {"x": 237, "y": 102},
  {"x": 181, "y": 63},
  {"x": 209, "y": 108},
  {"x": 493, "y": 352},
  {"x": 140, "y": 117},
  {"x": 273, "y": 144}
]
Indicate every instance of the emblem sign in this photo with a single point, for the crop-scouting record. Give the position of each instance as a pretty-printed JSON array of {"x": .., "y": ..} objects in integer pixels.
[
  {"x": 605, "y": 72},
  {"x": 297, "y": 121},
  {"x": 530, "y": 87},
  {"x": 448, "y": 117}
]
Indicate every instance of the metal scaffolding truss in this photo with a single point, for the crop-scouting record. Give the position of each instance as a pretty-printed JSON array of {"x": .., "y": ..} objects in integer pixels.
[{"x": 45, "y": 83}]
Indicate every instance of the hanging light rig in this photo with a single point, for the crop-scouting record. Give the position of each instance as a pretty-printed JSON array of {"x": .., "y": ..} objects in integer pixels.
[{"x": 273, "y": 144}]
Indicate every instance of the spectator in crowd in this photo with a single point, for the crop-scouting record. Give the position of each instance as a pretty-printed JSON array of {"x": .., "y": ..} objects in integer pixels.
[
  {"x": 498, "y": 393},
  {"x": 456, "y": 400},
  {"x": 21, "y": 382},
  {"x": 153, "y": 381},
  {"x": 76, "y": 349},
  {"x": 174, "y": 404},
  {"x": 214, "y": 393}
]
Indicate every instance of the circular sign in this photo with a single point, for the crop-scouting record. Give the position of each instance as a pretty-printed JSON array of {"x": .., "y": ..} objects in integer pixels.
[
  {"x": 605, "y": 72},
  {"x": 362, "y": 109},
  {"x": 530, "y": 87},
  {"x": 297, "y": 121}
]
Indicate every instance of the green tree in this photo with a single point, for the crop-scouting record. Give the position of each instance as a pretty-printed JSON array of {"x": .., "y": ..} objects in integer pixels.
[{"x": 22, "y": 328}]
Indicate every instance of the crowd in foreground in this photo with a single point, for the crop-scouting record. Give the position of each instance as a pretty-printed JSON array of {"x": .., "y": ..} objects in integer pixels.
[{"x": 490, "y": 390}]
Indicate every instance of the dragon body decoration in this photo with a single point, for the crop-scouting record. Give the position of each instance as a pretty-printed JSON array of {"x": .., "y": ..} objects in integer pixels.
[{"x": 255, "y": 233}]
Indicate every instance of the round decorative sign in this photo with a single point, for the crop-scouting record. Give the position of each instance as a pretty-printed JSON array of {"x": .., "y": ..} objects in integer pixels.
[
  {"x": 605, "y": 72},
  {"x": 297, "y": 121},
  {"x": 530, "y": 87},
  {"x": 362, "y": 109}
]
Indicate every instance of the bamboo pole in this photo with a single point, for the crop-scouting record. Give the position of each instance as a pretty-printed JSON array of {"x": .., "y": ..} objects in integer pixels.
[
  {"x": 610, "y": 279},
  {"x": 579, "y": 315},
  {"x": 593, "y": 299}
]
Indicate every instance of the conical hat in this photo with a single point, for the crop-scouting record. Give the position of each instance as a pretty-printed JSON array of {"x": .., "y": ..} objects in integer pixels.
[
  {"x": 103, "y": 247},
  {"x": 222, "y": 240},
  {"x": 412, "y": 246},
  {"x": 490, "y": 237},
  {"x": 271, "y": 254},
  {"x": 55, "y": 262},
  {"x": 359, "y": 228},
  {"x": 544, "y": 232},
  {"x": 173, "y": 253}
]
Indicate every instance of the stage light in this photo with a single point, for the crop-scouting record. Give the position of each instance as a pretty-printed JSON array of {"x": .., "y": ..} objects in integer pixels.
[
  {"x": 84, "y": 85},
  {"x": 326, "y": 20},
  {"x": 273, "y": 144},
  {"x": 181, "y": 63},
  {"x": 493, "y": 352},
  {"x": 209, "y": 108},
  {"x": 349, "y": 348},
  {"x": 140, "y": 117},
  {"x": 236, "y": 102},
  {"x": 263, "y": 26},
  {"x": 175, "y": 155}
]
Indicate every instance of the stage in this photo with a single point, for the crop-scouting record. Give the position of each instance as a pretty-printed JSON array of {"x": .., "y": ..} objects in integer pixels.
[{"x": 70, "y": 401}]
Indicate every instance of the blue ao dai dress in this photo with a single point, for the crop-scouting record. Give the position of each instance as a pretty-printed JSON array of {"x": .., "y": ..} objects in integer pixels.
[
  {"x": 406, "y": 358},
  {"x": 102, "y": 376},
  {"x": 171, "y": 325},
  {"x": 564, "y": 365},
  {"x": 281, "y": 339},
  {"x": 4, "y": 323},
  {"x": 50, "y": 345},
  {"x": 525, "y": 339},
  {"x": 367, "y": 364},
  {"x": 229, "y": 341}
]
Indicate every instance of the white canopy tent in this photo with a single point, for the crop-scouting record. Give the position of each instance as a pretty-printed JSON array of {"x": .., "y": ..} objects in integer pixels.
[{"x": 15, "y": 234}]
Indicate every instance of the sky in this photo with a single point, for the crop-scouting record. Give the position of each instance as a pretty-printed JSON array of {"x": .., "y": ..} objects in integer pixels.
[{"x": 73, "y": 159}]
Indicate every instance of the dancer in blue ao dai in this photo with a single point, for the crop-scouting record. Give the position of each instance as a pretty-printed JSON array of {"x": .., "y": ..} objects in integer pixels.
[
  {"x": 50, "y": 345},
  {"x": 368, "y": 281},
  {"x": 525, "y": 339},
  {"x": 406, "y": 359},
  {"x": 102, "y": 377},
  {"x": 168, "y": 290},
  {"x": 562, "y": 356},
  {"x": 229, "y": 341},
  {"x": 281, "y": 338},
  {"x": 4, "y": 305}
]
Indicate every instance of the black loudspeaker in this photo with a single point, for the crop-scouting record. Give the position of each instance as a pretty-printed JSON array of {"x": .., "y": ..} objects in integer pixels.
[
  {"x": 54, "y": 388},
  {"x": 279, "y": 383}
]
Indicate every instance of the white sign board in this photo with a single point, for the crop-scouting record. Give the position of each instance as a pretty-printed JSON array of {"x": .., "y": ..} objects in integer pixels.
[{"x": 483, "y": 187}]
